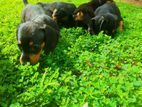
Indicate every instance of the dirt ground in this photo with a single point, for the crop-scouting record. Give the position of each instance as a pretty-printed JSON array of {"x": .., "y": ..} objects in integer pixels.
[{"x": 133, "y": 2}]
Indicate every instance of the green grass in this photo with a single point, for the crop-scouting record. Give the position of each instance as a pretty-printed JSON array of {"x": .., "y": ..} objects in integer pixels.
[{"x": 98, "y": 70}]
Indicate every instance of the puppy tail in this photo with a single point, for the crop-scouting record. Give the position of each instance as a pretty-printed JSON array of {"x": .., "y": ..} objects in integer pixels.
[{"x": 25, "y": 2}]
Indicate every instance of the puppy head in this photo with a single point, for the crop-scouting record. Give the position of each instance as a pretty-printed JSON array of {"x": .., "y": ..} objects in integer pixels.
[
  {"x": 78, "y": 16},
  {"x": 96, "y": 24},
  {"x": 31, "y": 42},
  {"x": 79, "y": 12},
  {"x": 107, "y": 23},
  {"x": 82, "y": 12},
  {"x": 59, "y": 15}
]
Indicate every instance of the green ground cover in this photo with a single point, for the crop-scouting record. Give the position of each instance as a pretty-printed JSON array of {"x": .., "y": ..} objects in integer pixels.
[{"x": 98, "y": 70}]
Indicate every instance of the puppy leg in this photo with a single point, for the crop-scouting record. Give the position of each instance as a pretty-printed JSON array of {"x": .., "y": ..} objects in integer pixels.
[
  {"x": 121, "y": 26},
  {"x": 90, "y": 30}
]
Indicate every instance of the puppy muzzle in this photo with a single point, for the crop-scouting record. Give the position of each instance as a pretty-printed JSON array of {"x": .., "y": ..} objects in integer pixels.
[{"x": 32, "y": 58}]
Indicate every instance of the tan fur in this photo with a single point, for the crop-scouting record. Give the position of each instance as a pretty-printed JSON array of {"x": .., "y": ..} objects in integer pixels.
[
  {"x": 31, "y": 43},
  {"x": 33, "y": 57},
  {"x": 121, "y": 26},
  {"x": 79, "y": 16}
]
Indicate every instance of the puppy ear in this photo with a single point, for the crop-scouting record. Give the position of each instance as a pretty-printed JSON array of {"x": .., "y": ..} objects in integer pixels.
[
  {"x": 17, "y": 31},
  {"x": 102, "y": 19},
  {"x": 50, "y": 38}
]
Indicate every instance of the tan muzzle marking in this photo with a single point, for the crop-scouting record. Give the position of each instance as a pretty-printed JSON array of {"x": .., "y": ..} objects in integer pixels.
[
  {"x": 121, "y": 26},
  {"x": 34, "y": 58},
  {"x": 79, "y": 16}
]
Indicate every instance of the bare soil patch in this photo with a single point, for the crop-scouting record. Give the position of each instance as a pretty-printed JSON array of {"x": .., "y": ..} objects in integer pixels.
[{"x": 134, "y": 2}]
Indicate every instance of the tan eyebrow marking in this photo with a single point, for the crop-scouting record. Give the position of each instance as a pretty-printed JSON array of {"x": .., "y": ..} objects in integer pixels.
[
  {"x": 80, "y": 14},
  {"x": 31, "y": 43}
]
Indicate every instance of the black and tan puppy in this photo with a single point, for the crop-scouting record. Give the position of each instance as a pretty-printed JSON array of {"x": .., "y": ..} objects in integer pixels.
[
  {"x": 85, "y": 11},
  {"x": 83, "y": 14},
  {"x": 36, "y": 33},
  {"x": 61, "y": 12},
  {"x": 107, "y": 18}
]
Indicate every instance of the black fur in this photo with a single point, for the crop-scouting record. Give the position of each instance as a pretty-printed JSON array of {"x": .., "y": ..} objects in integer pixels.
[
  {"x": 61, "y": 12},
  {"x": 87, "y": 10},
  {"x": 107, "y": 19},
  {"x": 37, "y": 32}
]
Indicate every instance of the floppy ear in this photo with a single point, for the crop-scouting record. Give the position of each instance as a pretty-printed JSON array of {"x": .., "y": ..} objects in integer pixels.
[
  {"x": 50, "y": 37},
  {"x": 42, "y": 29},
  {"x": 17, "y": 31},
  {"x": 102, "y": 19}
]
